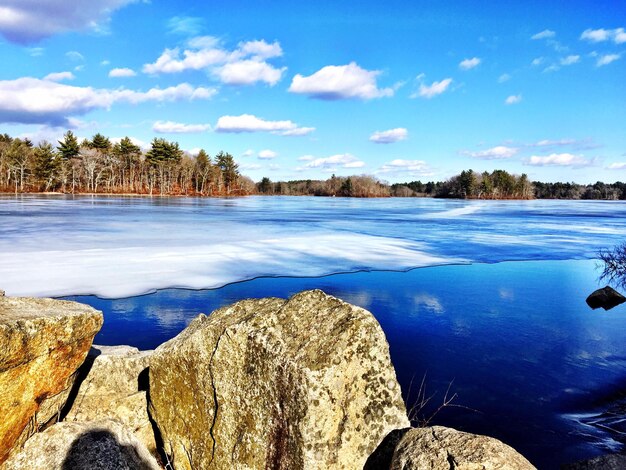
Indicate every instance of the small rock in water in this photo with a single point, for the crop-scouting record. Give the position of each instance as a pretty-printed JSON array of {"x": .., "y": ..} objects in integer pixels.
[{"x": 607, "y": 298}]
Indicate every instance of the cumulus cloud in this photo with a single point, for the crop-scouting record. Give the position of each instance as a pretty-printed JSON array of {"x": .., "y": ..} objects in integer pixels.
[
  {"x": 570, "y": 59},
  {"x": 495, "y": 153},
  {"x": 59, "y": 76},
  {"x": 306, "y": 158},
  {"x": 245, "y": 65},
  {"x": 248, "y": 72},
  {"x": 607, "y": 59},
  {"x": 513, "y": 99},
  {"x": 618, "y": 35},
  {"x": 122, "y": 72},
  {"x": 390, "y": 136},
  {"x": 432, "y": 90},
  {"x": 617, "y": 166},
  {"x": 171, "y": 127},
  {"x": 545, "y": 34},
  {"x": 414, "y": 167},
  {"x": 26, "y": 22},
  {"x": 468, "y": 64},
  {"x": 251, "y": 123},
  {"x": 33, "y": 101},
  {"x": 267, "y": 154},
  {"x": 332, "y": 163},
  {"x": 338, "y": 82},
  {"x": 559, "y": 159}
]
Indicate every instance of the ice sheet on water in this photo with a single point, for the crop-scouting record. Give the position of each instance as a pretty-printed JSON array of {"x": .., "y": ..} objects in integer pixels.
[{"x": 116, "y": 247}]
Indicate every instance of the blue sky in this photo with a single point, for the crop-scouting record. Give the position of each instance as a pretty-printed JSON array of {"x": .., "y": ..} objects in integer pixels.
[{"x": 401, "y": 90}]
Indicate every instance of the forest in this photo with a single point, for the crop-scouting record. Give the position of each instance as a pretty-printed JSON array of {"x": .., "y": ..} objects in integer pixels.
[{"x": 98, "y": 165}]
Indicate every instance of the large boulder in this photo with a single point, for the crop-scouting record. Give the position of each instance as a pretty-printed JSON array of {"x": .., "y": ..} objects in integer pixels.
[
  {"x": 42, "y": 343},
  {"x": 272, "y": 383},
  {"x": 440, "y": 448},
  {"x": 96, "y": 445},
  {"x": 113, "y": 386},
  {"x": 607, "y": 298}
]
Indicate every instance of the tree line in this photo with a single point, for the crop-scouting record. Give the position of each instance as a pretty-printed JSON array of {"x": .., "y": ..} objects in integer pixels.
[{"x": 97, "y": 165}]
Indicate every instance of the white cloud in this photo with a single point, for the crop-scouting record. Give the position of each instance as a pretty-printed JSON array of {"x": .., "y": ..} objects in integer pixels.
[
  {"x": 344, "y": 160},
  {"x": 559, "y": 159},
  {"x": 468, "y": 64},
  {"x": 595, "y": 35},
  {"x": 570, "y": 59},
  {"x": 537, "y": 61},
  {"x": 59, "y": 76},
  {"x": 248, "y": 72},
  {"x": 513, "y": 99},
  {"x": 26, "y": 22},
  {"x": 619, "y": 36},
  {"x": 245, "y": 65},
  {"x": 607, "y": 59},
  {"x": 267, "y": 154},
  {"x": 390, "y": 136},
  {"x": 432, "y": 90},
  {"x": 553, "y": 143},
  {"x": 414, "y": 167},
  {"x": 617, "y": 166},
  {"x": 251, "y": 123},
  {"x": 505, "y": 77},
  {"x": 122, "y": 72},
  {"x": 248, "y": 153},
  {"x": 337, "y": 82},
  {"x": 495, "y": 153},
  {"x": 32, "y": 101},
  {"x": 306, "y": 158},
  {"x": 545, "y": 34},
  {"x": 171, "y": 127}
]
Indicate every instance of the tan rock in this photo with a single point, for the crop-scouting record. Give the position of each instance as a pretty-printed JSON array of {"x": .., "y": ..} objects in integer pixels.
[
  {"x": 96, "y": 445},
  {"x": 440, "y": 448},
  {"x": 270, "y": 383},
  {"x": 42, "y": 343},
  {"x": 114, "y": 387}
]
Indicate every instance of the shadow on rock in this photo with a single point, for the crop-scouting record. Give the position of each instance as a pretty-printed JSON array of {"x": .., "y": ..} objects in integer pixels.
[{"x": 98, "y": 449}]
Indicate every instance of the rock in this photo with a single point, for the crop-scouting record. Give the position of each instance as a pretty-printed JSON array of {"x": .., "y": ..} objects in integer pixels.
[
  {"x": 1, "y": 293},
  {"x": 97, "y": 445},
  {"x": 607, "y": 298},
  {"x": 42, "y": 343},
  {"x": 113, "y": 385},
  {"x": 604, "y": 462},
  {"x": 272, "y": 383},
  {"x": 440, "y": 448}
]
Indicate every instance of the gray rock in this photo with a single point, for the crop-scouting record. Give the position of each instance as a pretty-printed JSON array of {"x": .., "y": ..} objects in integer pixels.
[
  {"x": 607, "y": 298},
  {"x": 42, "y": 344},
  {"x": 98, "y": 445},
  {"x": 440, "y": 448},
  {"x": 114, "y": 387},
  {"x": 272, "y": 383},
  {"x": 604, "y": 462}
]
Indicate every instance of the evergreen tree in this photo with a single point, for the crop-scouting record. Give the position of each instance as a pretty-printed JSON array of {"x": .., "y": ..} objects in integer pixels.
[
  {"x": 46, "y": 165},
  {"x": 68, "y": 147},
  {"x": 229, "y": 169}
]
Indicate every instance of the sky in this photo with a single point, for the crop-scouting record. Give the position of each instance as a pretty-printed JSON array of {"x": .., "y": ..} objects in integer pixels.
[{"x": 401, "y": 90}]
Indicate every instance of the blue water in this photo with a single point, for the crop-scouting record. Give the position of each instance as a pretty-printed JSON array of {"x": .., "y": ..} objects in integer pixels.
[{"x": 530, "y": 363}]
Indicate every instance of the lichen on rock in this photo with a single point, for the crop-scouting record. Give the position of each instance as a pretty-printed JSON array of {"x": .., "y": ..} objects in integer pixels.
[{"x": 272, "y": 383}]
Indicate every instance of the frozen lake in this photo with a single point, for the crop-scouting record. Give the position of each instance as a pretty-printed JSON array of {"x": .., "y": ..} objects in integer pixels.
[{"x": 499, "y": 310}]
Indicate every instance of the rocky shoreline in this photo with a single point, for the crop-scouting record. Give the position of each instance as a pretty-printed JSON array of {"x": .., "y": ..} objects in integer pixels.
[{"x": 305, "y": 382}]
